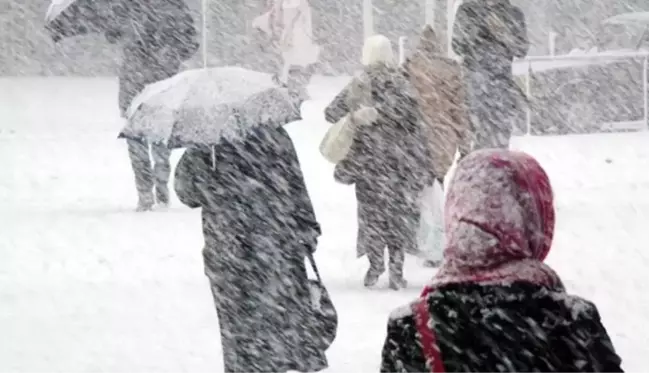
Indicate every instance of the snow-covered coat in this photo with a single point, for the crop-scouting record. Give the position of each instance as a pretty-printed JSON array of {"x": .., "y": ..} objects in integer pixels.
[
  {"x": 389, "y": 160},
  {"x": 156, "y": 39},
  {"x": 494, "y": 305},
  {"x": 258, "y": 225},
  {"x": 488, "y": 35},
  {"x": 442, "y": 100}
]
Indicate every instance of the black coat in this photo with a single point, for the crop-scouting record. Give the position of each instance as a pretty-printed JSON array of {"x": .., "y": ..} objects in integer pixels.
[
  {"x": 156, "y": 37},
  {"x": 520, "y": 328},
  {"x": 258, "y": 223},
  {"x": 489, "y": 36}
]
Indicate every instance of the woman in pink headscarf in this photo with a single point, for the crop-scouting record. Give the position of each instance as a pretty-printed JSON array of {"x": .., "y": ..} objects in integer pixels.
[{"x": 494, "y": 305}]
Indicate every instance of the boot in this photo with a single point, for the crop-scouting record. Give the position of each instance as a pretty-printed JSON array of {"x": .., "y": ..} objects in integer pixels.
[
  {"x": 371, "y": 278},
  {"x": 398, "y": 283},
  {"x": 432, "y": 263},
  {"x": 145, "y": 203},
  {"x": 162, "y": 195},
  {"x": 395, "y": 266}
]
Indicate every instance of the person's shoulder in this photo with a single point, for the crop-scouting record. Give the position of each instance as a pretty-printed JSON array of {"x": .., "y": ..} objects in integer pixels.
[
  {"x": 471, "y": 8},
  {"x": 402, "y": 312},
  {"x": 466, "y": 6},
  {"x": 406, "y": 313},
  {"x": 577, "y": 307},
  {"x": 517, "y": 12},
  {"x": 448, "y": 62}
]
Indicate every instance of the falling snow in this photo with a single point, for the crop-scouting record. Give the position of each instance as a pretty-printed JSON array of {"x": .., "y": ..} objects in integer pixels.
[{"x": 288, "y": 149}]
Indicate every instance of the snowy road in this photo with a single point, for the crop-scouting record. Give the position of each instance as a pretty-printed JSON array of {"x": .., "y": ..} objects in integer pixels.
[{"x": 86, "y": 284}]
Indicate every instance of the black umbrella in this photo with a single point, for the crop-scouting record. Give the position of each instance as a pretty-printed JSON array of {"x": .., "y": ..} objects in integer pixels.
[{"x": 68, "y": 18}]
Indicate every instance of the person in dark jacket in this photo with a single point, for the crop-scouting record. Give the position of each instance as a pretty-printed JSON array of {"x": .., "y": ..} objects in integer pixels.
[
  {"x": 258, "y": 225},
  {"x": 494, "y": 306},
  {"x": 389, "y": 163},
  {"x": 156, "y": 37},
  {"x": 488, "y": 35}
]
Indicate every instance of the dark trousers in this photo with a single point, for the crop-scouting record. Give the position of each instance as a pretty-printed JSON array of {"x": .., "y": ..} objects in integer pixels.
[
  {"x": 396, "y": 259},
  {"x": 148, "y": 175},
  {"x": 376, "y": 232},
  {"x": 492, "y": 107}
]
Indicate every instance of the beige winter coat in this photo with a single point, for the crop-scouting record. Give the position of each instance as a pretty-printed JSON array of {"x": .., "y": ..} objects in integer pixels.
[{"x": 441, "y": 95}]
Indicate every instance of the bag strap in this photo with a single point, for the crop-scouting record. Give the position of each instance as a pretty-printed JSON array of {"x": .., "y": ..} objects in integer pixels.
[
  {"x": 429, "y": 346},
  {"x": 314, "y": 266}
]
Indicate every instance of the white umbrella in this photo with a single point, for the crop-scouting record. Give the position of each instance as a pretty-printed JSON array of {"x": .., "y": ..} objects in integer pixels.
[{"x": 203, "y": 106}]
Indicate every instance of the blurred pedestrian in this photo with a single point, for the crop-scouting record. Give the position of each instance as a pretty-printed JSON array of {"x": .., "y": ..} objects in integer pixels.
[
  {"x": 442, "y": 99},
  {"x": 488, "y": 35},
  {"x": 156, "y": 37},
  {"x": 288, "y": 24},
  {"x": 388, "y": 161}
]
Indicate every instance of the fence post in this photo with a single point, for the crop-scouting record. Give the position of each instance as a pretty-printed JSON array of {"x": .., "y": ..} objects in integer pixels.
[
  {"x": 552, "y": 42},
  {"x": 644, "y": 91},
  {"x": 402, "y": 49},
  {"x": 528, "y": 93},
  {"x": 368, "y": 19},
  {"x": 450, "y": 20},
  {"x": 204, "y": 10},
  {"x": 429, "y": 11}
]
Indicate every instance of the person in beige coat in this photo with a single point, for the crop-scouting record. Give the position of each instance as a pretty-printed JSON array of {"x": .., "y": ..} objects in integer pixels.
[{"x": 441, "y": 96}]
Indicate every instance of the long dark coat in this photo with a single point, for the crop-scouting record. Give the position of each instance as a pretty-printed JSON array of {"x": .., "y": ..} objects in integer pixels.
[
  {"x": 258, "y": 223},
  {"x": 488, "y": 35},
  {"x": 497, "y": 328},
  {"x": 156, "y": 37},
  {"x": 389, "y": 161}
]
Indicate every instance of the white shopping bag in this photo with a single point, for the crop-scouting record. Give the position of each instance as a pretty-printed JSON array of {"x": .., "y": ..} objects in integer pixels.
[
  {"x": 339, "y": 138},
  {"x": 430, "y": 236}
]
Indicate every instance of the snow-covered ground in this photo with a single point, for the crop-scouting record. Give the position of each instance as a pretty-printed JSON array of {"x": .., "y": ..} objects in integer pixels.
[{"x": 86, "y": 284}]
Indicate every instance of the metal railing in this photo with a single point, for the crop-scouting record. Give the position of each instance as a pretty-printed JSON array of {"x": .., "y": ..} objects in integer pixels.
[
  {"x": 545, "y": 63},
  {"x": 529, "y": 65}
]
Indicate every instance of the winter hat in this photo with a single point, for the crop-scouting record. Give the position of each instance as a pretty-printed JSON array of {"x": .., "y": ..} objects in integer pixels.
[
  {"x": 499, "y": 218},
  {"x": 378, "y": 49}
]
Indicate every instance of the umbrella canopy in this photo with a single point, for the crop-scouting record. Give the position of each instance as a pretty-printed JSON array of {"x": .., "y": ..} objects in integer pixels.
[
  {"x": 67, "y": 18},
  {"x": 204, "y": 106}
]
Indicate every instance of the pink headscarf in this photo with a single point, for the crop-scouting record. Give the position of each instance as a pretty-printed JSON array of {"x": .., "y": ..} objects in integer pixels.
[{"x": 499, "y": 222}]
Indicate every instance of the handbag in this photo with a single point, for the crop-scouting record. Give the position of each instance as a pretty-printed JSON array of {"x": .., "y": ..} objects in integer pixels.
[
  {"x": 338, "y": 140},
  {"x": 430, "y": 235},
  {"x": 323, "y": 316}
]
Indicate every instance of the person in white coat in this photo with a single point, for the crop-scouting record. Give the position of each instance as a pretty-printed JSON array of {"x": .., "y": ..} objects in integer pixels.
[{"x": 288, "y": 23}]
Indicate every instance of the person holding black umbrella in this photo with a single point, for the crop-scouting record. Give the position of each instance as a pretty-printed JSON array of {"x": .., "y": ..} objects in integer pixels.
[{"x": 157, "y": 36}]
